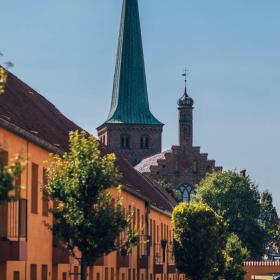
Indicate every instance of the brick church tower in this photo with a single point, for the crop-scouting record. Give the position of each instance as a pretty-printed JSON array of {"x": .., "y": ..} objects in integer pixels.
[
  {"x": 185, "y": 107},
  {"x": 183, "y": 166},
  {"x": 131, "y": 129}
]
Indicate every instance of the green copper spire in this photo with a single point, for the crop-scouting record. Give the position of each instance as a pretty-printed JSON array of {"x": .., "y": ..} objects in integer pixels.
[{"x": 130, "y": 103}]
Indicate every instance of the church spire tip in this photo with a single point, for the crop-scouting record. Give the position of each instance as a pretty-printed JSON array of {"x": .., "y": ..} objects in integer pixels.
[
  {"x": 130, "y": 103},
  {"x": 185, "y": 100}
]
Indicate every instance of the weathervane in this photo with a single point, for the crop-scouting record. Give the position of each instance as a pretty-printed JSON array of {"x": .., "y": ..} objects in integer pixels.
[{"x": 185, "y": 74}]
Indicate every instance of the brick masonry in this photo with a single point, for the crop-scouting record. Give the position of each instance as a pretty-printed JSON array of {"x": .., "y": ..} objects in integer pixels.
[
  {"x": 182, "y": 165},
  {"x": 110, "y": 134}
]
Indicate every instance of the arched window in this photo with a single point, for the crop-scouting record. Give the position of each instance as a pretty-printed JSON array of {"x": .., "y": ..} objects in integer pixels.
[
  {"x": 186, "y": 192},
  {"x": 145, "y": 142},
  {"x": 125, "y": 142}
]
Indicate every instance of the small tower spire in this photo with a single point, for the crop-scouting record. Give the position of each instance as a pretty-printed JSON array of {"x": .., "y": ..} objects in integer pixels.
[
  {"x": 185, "y": 80},
  {"x": 185, "y": 107}
]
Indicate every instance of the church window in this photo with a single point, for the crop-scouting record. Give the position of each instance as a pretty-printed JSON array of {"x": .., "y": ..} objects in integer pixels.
[
  {"x": 186, "y": 191},
  {"x": 145, "y": 142},
  {"x": 125, "y": 142}
]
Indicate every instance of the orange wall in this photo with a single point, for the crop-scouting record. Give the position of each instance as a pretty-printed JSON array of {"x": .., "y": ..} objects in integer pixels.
[
  {"x": 39, "y": 240},
  {"x": 39, "y": 237}
]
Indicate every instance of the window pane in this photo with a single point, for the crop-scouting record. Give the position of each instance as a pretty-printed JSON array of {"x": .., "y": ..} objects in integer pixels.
[
  {"x": 44, "y": 272},
  {"x": 16, "y": 275},
  {"x": 34, "y": 189},
  {"x": 3, "y": 157},
  {"x": 44, "y": 195},
  {"x": 106, "y": 273},
  {"x": 33, "y": 272}
]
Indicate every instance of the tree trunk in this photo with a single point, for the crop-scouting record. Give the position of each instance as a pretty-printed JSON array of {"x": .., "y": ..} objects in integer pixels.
[{"x": 83, "y": 268}]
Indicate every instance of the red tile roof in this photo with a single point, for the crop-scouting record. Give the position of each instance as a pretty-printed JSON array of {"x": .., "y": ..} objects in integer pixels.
[{"x": 28, "y": 113}]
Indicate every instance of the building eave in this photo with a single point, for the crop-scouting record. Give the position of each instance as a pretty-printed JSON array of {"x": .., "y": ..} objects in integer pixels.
[{"x": 30, "y": 137}]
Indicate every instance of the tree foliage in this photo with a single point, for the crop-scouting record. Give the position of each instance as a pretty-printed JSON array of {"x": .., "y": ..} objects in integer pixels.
[
  {"x": 169, "y": 188},
  {"x": 235, "y": 254},
  {"x": 237, "y": 200},
  {"x": 270, "y": 221},
  {"x": 4, "y": 74},
  {"x": 3, "y": 79},
  {"x": 198, "y": 239},
  {"x": 8, "y": 174},
  {"x": 86, "y": 215}
]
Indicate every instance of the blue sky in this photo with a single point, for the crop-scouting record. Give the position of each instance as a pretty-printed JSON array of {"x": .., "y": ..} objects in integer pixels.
[{"x": 66, "y": 50}]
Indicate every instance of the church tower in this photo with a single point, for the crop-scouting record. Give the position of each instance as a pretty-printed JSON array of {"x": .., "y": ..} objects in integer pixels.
[
  {"x": 131, "y": 129},
  {"x": 185, "y": 107}
]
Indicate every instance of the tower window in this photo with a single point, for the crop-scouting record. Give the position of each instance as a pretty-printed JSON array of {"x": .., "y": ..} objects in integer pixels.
[
  {"x": 125, "y": 142},
  {"x": 145, "y": 142}
]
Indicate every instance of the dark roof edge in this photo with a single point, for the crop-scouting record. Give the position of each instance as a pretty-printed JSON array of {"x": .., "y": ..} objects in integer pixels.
[
  {"x": 160, "y": 192},
  {"x": 30, "y": 137},
  {"x": 167, "y": 213},
  {"x": 129, "y": 190},
  {"x": 136, "y": 124}
]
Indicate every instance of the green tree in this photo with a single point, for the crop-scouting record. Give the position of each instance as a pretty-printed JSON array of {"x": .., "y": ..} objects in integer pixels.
[
  {"x": 169, "y": 188},
  {"x": 4, "y": 74},
  {"x": 85, "y": 213},
  {"x": 270, "y": 221},
  {"x": 8, "y": 174},
  {"x": 199, "y": 238},
  {"x": 235, "y": 255},
  {"x": 237, "y": 200}
]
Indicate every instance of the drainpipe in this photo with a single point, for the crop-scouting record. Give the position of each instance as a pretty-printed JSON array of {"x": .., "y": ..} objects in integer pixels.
[
  {"x": 26, "y": 184},
  {"x": 148, "y": 246}
]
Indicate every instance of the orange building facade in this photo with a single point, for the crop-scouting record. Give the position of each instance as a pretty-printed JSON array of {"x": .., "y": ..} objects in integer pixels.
[
  {"x": 26, "y": 246},
  {"x": 33, "y": 128}
]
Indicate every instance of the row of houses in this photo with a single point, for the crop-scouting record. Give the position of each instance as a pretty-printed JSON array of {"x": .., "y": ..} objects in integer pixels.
[{"x": 33, "y": 127}]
